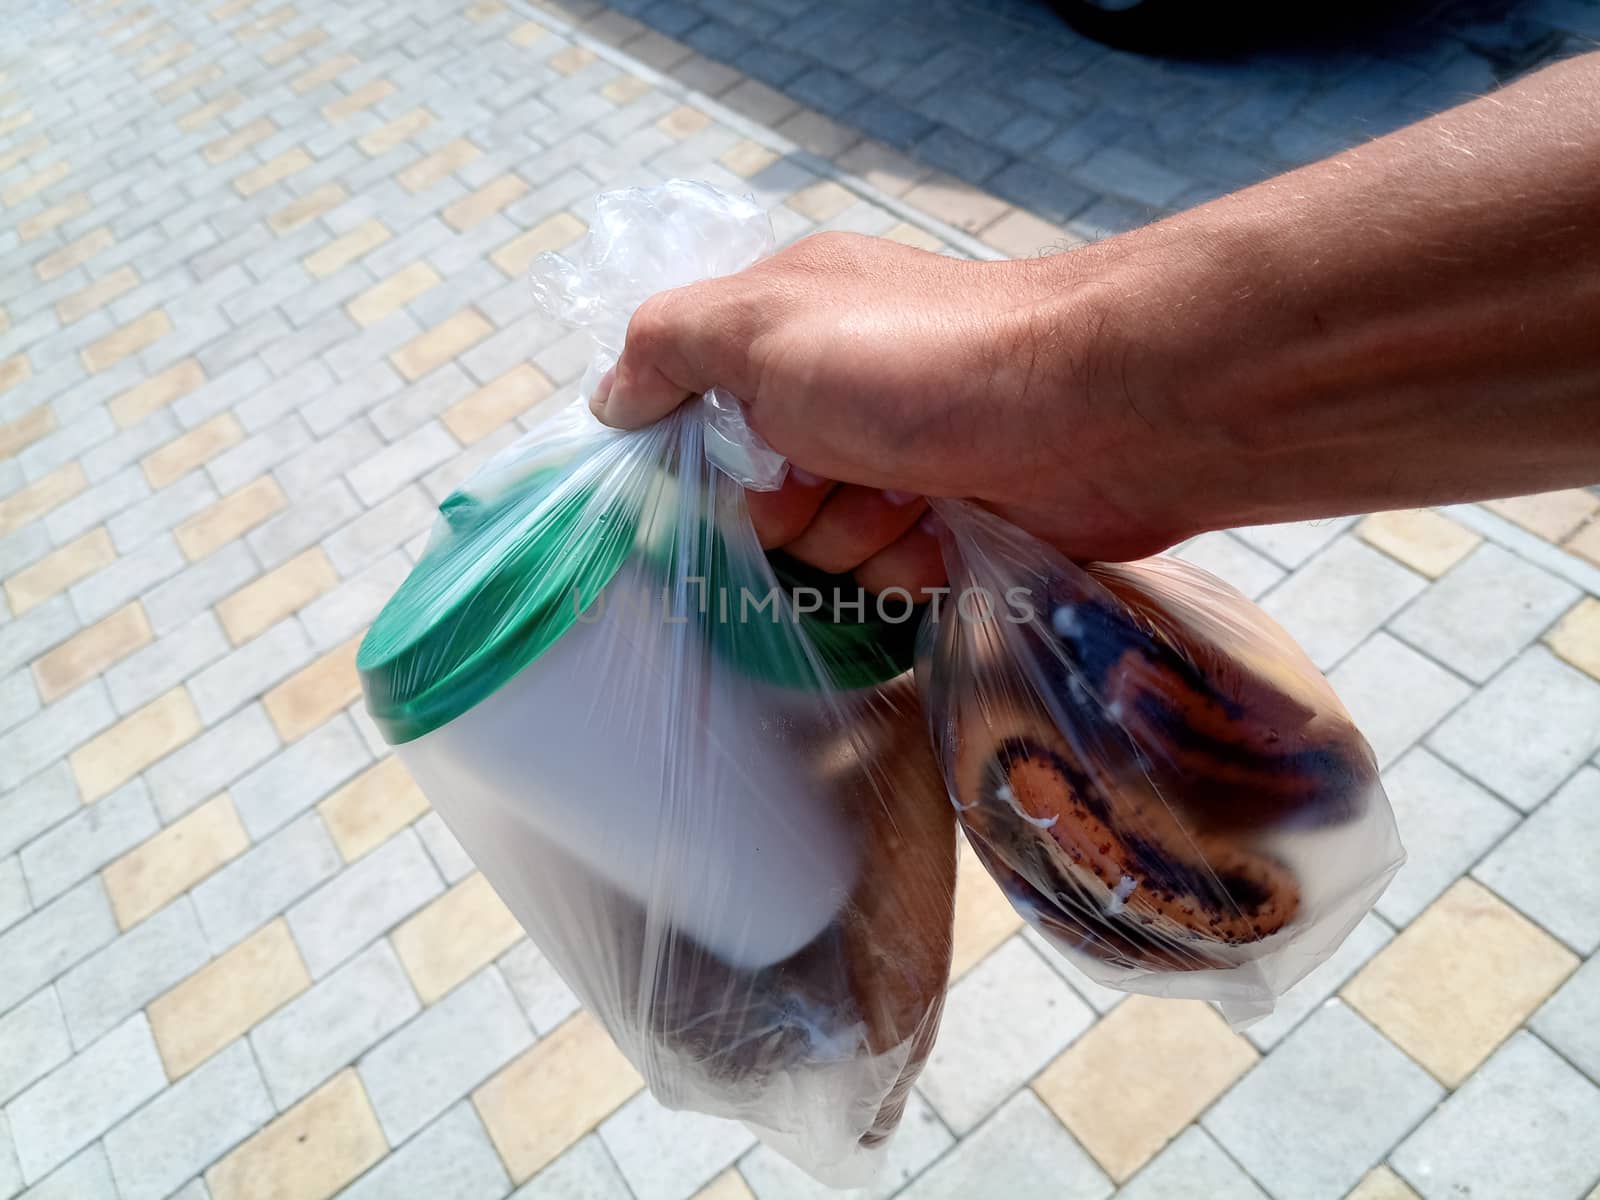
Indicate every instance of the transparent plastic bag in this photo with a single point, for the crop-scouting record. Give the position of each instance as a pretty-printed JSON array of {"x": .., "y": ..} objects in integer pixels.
[
  {"x": 718, "y": 815},
  {"x": 1155, "y": 774}
]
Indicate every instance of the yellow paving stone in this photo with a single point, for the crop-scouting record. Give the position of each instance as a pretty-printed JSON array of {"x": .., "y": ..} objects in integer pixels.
[
  {"x": 284, "y": 590},
  {"x": 239, "y": 140},
  {"x": 313, "y": 694},
  {"x": 1554, "y": 516},
  {"x": 15, "y": 122},
  {"x": 91, "y": 651},
  {"x": 482, "y": 10},
  {"x": 682, "y": 121},
  {"x": 308, "y": 1153},
  {"x": 59, "y": 570},
  {"x": 159, "y": 62},
  {"x": 443, "y": 162},
  {"x": 363, "y": 98},
  {"x": 882, "y": 166},
  {"x": 139, "y": 40},
  {"x": 232, "y": 8},
  {"x": 553, "y": 233},
  {"x": 730, "y": 1185},
  {"x": 466, "y": 928},
  {"x": 137, "y": 403},
  {"x": 325, "y": 71},
  {"x": 15, "y": 436},
  {"x": 526, "y": 34},
  {"x": 395, "y": 292},
  {"x": 5, "y": 320},
  {"x": 1576, "y": 636},
  {"x": 133, "y": 337},
  {"x": 482, "y": 204},
  {"x": 74, "y": 253},
  {"x": 821, "y": 201},
  {"x": 208, "y": 111},
  {"x": 42, "y": 223},
  {"x": 910, "y": 235},
  {"x": 624, "y": 89},
  {"x": 1130, "y": 1085},
  {"x": 13, "y": 371},
  {"x": 571, "y": 60},
  {"x": 97, "y": 295},
  {"x": 342, "y": 251},
  {"x": 193, "y": 449},
  {"x": 225, "y": 998},
  {"x": 307, "y": 208},
  {"x": 1022, "y": 235},
  {"x": 984, "y": 917},
  {"x": 553, "y": 1094},
  {"x": 1459, "y": 980},
  {"x": 232, "y": 516},
  {"x": 185, "y": 84},
  {"x": 43, "y": 495},
  {"x": 108, "y": 760},
  {"x": 269, "y": 173},
  {"x": 1586, "y": 542},
  {"x": 36, "y": 183},
  {"x": 434, "y": 347},
  {"x": 748, "y": 158},
  {"x": 27, "y": 150},
  {"x": 381, "y": 141},
  {"x": 265, "y": 24},
  {"x": 1382, "y": 1184},
  {"x": 372, "y": 807},
  {"x": 289, "y": 47},
  {"x": 474, "y": 417},
  {"x": 1422, "y": 539},
  {"x": 956, "y": 202},
  {"x": 158, "y": 871}
]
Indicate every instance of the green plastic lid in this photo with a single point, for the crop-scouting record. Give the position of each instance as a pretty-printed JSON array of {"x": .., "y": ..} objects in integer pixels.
[{"x": 513, "y": 573}]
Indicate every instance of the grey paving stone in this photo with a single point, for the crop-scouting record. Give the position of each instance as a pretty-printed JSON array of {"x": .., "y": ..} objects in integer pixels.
[
  {"x": 1291, "y": 545},
  {"x": 977, "y": 1062},
  {"x": 131, "y": 575},
  {"x": 362, "y": 901},
  {"x": 1570, "y": 1020},
  {"x": 664, "y": 1154},
  {"x": 337, "y": 1019},
  {"x": 192, "y": 591},
  {"x": 250, "y": 670},
  {"x": 304, "y": 523},
  {"x": 132, "y": 444},
  {"x": 33, "y": 1041},
  {"x": 190, "y": 1125},
  {"x": 1192, "y": 1165},
  {"x": 1339, "y": 597},
  {"x": 154, "y": 955},
  {"x": 10, "y": 1170},
  {"x": 265, "y": 880},
  {"x": 1526, "y": 730},
  {"x": 14, "y": 901},
  {"x": 1446, "y": 823},
  {"x": 1546, "y": 866},
  {"x": 24, "y": 638},
  {"x": 85, "y": 1176},
  {"x": 384, "y": 473},
  {"x": 1302, "y": 1122},
  {"x": 296, "y": 778},
  {"x": 349, "y": 608},
  {"x": 423, "y": 1068},
  {"x": 379, "y": 530},
  {"x": 299, "y": 386},
  {"x": 165, "y": 662},
  {"x": 205, "y": 766},
  {"x": 326, "y": 459},
  {"x": 1484, "y": 611},
  {"x": 88, "y": 509},
  {"x": 66, "y": 444},
  {"x": 259, "y": 453},
  {"x": 1395, "y": 694},
  {"x": 29, "y": 809},
  {"x": 1307, "y": 996},
  {"x": 1022, "y": 1144},
  {"x": 450, "y": 858},
  {"x": 353, "y": 396},
  {"x": 53, "y": 733},
  {"x": 77, "y": 1102},
  {"x": 19, "y": 700},
  {"x": 82, "y": 845},
  {"x": 1521, "y": 1128},
  {"x": 17, "y": 550},
  {"x": 584, "y": 1172},
  {"x": 452, "y": 1159}
]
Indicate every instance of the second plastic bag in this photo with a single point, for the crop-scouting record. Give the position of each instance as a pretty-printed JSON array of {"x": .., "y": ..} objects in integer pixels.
[
  {"x": 718, "y": 815},
  {"x": 1155, "y": 774}
]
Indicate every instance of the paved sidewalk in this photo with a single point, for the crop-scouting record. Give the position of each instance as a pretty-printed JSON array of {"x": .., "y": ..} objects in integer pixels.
[{"x": 261, "y": 305}]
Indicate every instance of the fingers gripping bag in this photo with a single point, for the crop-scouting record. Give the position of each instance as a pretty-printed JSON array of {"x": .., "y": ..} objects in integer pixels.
[
  {"x": 713, "y": 807},
  {"x": 1155, "y": 774}
]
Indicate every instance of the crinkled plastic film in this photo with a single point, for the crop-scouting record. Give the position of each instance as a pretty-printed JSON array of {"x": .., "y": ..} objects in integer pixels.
[
  {"x": 718, "y": 816},
  {"x": 1155, "y": 774}
]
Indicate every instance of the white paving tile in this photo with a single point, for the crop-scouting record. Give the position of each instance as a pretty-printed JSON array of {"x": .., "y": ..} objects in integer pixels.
[
  {"x": 669, "y": 1155},
  {"x": 1191, "y": 1167},
  {"x": 85, "y": 1176},
  {"x": 1100, "y": 997},
  {"x": 1230, "y": 560},
  {"x": 1394, "y": 694},
  {"x": 1003, "y": 1022},
  {"x": 1522, "y": 1128},
  {"x": 1527, "y": 730},
  {"x": 1292, "y": 543},
  {"x": 452, "y": 1159},
  {"x": 1307, "y": 996},
  {"x": 1570, "y": 1019},
  {"x": 1548, "y": 868},
  {"x": 33, "y": 1041},
  {"x": 538, "y": 987},
  {"x": 1021, "y": 1148},
  {"x": 1340, "y": 597},
  {"x": 584, "y": 1172},
  {"x": 1303, "y": 1122}
]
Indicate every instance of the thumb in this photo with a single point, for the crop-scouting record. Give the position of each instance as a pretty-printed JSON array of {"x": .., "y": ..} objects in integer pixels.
[{"x": 675, "y": 348}]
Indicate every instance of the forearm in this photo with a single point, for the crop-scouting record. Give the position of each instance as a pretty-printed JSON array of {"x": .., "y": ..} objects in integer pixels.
[{"x": 1415, "y": 321}]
